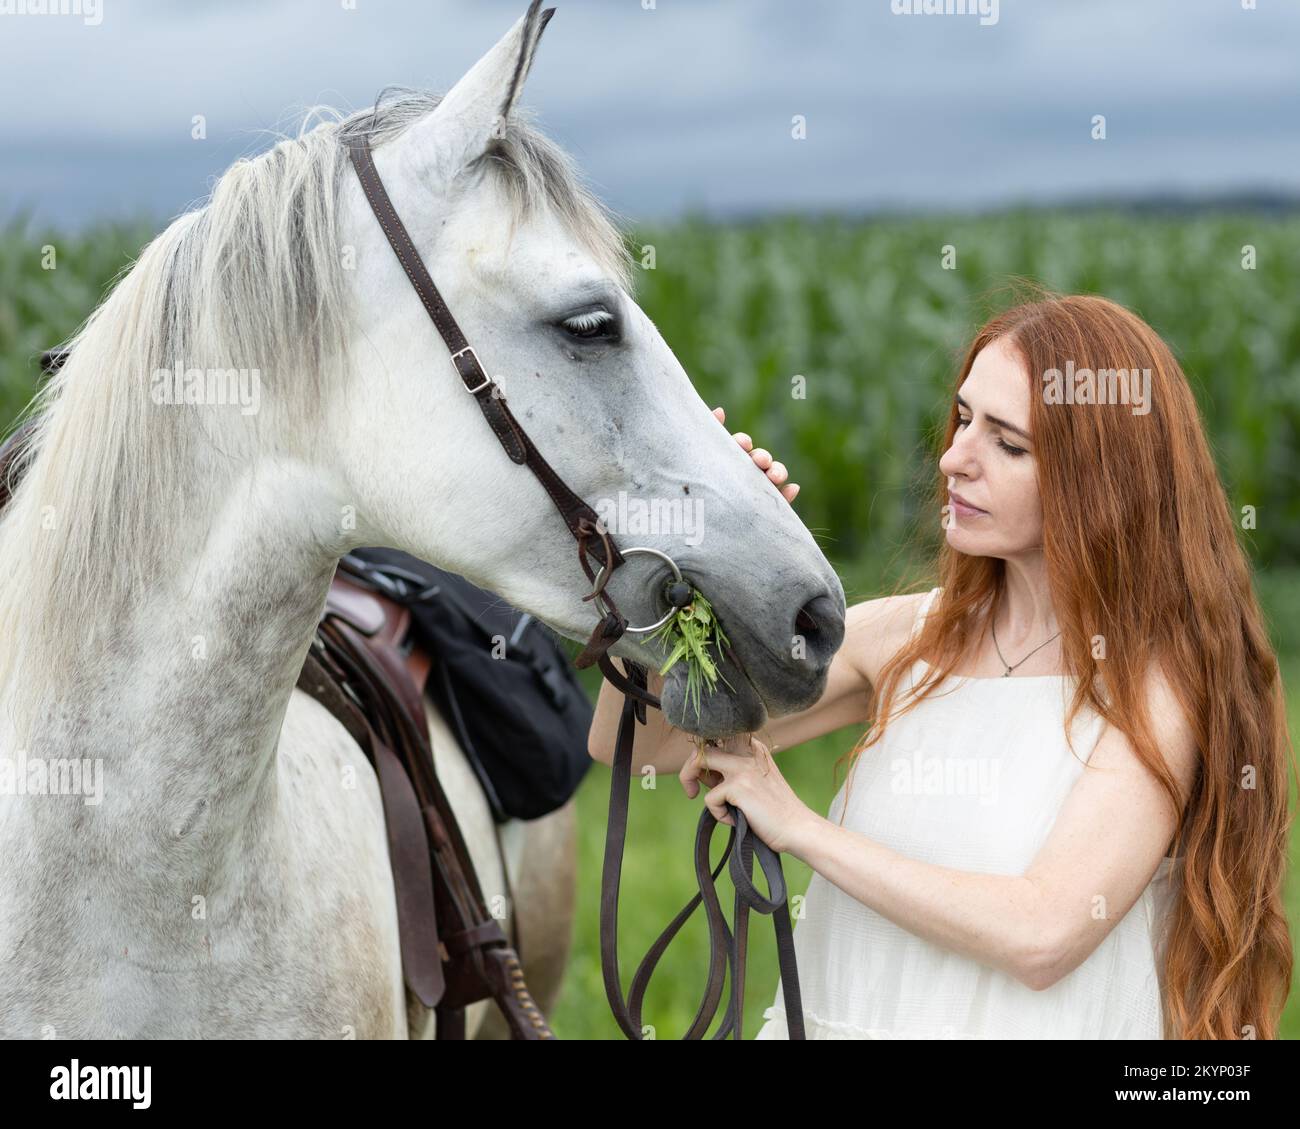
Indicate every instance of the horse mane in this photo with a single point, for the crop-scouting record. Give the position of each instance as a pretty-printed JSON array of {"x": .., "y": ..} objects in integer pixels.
[{"x": 252, "y": 279}]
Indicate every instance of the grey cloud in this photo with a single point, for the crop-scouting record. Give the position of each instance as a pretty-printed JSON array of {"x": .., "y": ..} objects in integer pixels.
[{"x": 686, "y": 105}]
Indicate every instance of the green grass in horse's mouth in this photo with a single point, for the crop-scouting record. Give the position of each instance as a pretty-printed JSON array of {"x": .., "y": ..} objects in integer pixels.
[{"x": 687, "y": 638}]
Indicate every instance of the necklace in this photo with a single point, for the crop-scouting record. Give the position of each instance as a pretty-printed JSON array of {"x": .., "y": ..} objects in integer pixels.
[{"x": 1007, "y": 672}]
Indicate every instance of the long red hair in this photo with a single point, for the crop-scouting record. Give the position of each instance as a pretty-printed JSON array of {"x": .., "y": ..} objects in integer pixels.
[{"x": 1141, "y": 549}]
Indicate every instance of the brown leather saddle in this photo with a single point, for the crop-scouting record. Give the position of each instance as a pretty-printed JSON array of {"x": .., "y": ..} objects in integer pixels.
[
  {"x": 362, "y": 668},
  {"x": 366, "y": 669}
]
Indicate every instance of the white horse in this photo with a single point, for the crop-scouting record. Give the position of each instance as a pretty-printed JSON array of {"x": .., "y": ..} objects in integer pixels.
[{"x": 191, "y": 847}]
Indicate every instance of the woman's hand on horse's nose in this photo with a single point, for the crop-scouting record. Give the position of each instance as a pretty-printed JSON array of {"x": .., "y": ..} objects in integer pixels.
[{"x": 763, "y": 460}]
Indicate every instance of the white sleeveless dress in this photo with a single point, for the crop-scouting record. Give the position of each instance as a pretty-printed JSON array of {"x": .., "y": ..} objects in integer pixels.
[{"x": 972, "y": 779}]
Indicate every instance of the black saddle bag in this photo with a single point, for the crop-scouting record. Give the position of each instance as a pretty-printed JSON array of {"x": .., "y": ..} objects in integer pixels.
[{"x": 500, "y": 678}]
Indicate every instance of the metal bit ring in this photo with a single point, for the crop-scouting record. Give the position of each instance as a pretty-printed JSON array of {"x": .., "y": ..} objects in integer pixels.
[{"x": 677, "y": 576}]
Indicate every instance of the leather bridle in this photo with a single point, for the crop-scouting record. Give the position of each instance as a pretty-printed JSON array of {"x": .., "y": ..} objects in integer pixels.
[{"x": 595, "y": 541}]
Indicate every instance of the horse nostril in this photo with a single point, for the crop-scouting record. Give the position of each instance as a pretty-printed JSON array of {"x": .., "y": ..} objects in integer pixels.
[{"x": 821, "y": 624}]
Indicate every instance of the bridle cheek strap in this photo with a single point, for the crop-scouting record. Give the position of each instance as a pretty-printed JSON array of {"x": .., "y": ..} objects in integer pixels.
[{"x": 580, "y": 518}]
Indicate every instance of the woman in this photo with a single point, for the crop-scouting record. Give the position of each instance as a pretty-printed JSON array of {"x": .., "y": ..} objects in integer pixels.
[{"x": 1071, "y": 817}]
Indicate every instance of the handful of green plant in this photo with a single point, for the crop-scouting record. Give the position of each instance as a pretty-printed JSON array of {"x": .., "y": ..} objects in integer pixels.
[{"x": 687, "y": 636}]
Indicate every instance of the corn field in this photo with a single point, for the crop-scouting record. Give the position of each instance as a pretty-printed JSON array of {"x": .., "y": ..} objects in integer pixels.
[{"x": 834, "y": 342}]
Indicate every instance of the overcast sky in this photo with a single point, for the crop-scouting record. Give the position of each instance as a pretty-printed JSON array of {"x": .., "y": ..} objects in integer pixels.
[{"x": 685, "y": 106}]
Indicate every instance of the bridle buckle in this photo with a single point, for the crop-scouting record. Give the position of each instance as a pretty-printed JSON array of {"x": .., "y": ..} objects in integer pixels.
[{"x": 477, "y": 364}]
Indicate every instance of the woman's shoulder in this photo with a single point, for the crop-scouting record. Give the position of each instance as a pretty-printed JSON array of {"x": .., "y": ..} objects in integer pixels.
[{"x": 881, "y": 627}]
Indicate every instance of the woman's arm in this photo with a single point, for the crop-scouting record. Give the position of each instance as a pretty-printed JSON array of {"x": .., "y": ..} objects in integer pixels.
[
  {"x": 1103, "y": 850},
  {"x": 996, "y": 919},
  {"x": 655, "y": 743}
]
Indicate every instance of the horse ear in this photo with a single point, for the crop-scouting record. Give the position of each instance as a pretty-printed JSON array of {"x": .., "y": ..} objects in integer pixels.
[{"x": 475, "y": 111}]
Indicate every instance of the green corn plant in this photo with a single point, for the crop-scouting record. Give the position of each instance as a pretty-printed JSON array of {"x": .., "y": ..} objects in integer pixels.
[{"x": 687, "y": 637}]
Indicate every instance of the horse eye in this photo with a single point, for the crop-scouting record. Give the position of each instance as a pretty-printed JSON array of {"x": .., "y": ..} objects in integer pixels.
[{"x": 591, "y": 326}]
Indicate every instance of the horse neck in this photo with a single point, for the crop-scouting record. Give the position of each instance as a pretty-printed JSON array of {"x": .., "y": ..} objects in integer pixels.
[{"x": 180, "y": 697}]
